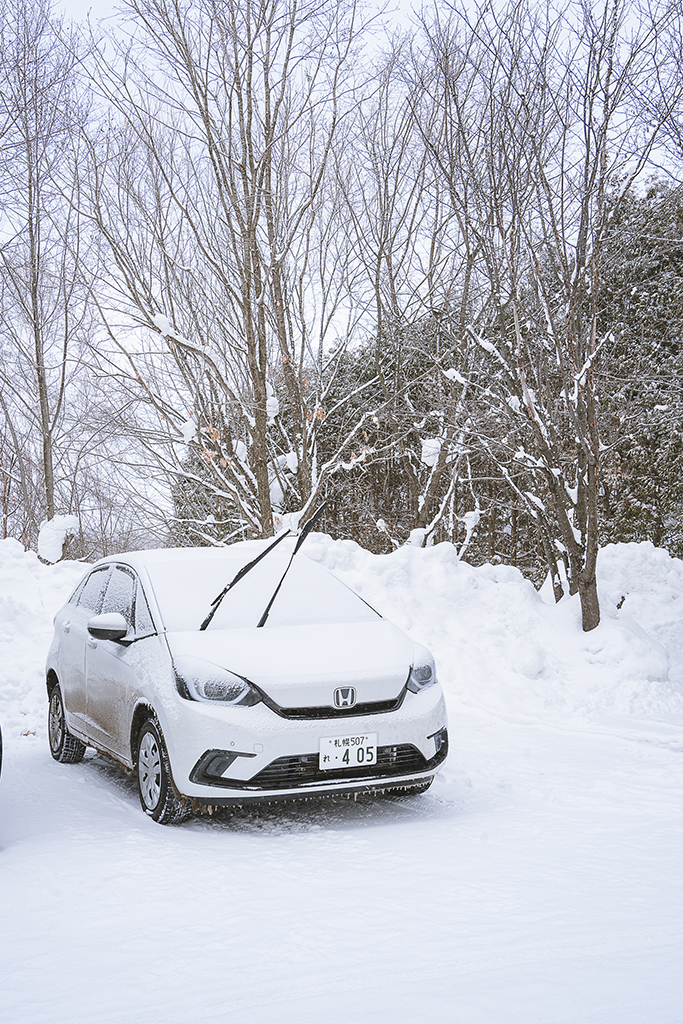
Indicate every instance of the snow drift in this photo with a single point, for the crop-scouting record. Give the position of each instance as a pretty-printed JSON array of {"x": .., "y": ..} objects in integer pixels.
[
  {"x": 30, "y": 594},
  {"x": 499, "y": 644}
]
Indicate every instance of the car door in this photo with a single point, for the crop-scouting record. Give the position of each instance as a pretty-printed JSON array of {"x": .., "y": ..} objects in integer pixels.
[
  {"x": 72, "y": 646},
  {"x": 111, "y": 680}
]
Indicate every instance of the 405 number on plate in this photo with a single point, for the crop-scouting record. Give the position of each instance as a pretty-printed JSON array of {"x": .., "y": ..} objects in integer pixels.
[{"x": 348, "y": 751}]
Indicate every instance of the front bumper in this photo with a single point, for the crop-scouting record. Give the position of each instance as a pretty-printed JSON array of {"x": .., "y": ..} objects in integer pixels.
[
  {"x": 243, "y": 755},
  {"x": 303, "y": 771}
]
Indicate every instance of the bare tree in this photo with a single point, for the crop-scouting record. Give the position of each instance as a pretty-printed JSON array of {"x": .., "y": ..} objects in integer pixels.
[
  {"x": 42, "y": 308},
  {"x": 415, "y": 268},
  {"x": 210, "y": 184},
  {"x": 536, "y": 119}
]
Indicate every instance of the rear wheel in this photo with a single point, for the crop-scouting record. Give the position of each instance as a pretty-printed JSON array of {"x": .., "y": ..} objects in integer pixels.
[
  {"x": 64, "y": 747},
  {"x": 157, "y": 795}
]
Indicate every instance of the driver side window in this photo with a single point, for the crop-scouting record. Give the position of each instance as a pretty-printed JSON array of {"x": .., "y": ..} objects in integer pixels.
[
  {"x": 90, "y": 596},
  {"x": 119, "y": 595}
]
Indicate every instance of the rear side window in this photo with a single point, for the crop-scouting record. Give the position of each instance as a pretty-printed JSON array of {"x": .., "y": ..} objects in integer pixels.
[
  {"x": 120, "y": 593},
  {"x": 90, "y": 596}
]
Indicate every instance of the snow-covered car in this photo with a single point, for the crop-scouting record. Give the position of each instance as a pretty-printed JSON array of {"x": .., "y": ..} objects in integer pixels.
[{"x": 222, "y": 683}]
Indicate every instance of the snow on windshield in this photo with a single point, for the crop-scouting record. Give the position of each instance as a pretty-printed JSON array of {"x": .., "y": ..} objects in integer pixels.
[{"x": 309, "y": 595}]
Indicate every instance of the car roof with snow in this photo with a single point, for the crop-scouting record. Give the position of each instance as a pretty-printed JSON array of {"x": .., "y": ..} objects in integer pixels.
[
  {"x": 238, "y": 553},
  {"x": 186, "y": 581}
]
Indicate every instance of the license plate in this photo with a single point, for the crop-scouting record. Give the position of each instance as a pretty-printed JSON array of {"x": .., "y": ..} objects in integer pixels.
[{"x": 348, "y": 751}]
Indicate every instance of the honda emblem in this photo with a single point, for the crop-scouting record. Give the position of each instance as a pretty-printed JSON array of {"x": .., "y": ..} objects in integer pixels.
[{"x": 344, "y": 697}]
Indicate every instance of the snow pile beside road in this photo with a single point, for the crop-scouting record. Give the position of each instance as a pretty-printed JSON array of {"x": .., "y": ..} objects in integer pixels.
[
  {"x": 499, "y": 645},
  {"x": 648, "y": 584},
  {"x": 30, "y": 594}
]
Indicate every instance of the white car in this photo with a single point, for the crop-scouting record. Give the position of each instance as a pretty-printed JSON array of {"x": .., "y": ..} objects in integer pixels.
[{"x": 191, "y": 667}]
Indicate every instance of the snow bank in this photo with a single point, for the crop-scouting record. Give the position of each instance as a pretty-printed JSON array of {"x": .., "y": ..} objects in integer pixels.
[
  {"x": 498, "y": 644},
  {"x": 30, "y": 594}
]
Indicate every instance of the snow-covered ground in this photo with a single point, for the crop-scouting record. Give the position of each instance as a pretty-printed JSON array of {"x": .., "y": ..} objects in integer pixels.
[{"x": 540, "y": 880}]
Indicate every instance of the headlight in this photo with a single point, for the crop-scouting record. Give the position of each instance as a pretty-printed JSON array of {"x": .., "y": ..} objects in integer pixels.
[
  {"x": 202, "y": 680},
  {"x": 422, "y": 676}
]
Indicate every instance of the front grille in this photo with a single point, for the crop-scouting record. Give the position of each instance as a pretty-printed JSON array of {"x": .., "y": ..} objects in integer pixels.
[
  {"x": 303, "y": 770},
  {"x": 378, "y": 707}
]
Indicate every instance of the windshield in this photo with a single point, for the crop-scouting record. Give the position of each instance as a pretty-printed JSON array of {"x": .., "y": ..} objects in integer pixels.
[{"x": 309, "y": 595}]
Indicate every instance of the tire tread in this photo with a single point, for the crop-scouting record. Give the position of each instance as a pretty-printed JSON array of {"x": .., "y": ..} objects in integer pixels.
[{"x": 70, "y": 749}]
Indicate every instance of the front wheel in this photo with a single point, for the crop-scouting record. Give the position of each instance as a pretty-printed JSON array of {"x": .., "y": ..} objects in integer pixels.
[
  {"x": 64, "y": 747},
  {"x": 157, "y": 795}
]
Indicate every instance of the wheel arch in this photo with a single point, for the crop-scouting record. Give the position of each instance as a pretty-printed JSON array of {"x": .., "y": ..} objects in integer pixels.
[
  {"x": 51, "y": 681},
  {"x": 140, "y": 715}
]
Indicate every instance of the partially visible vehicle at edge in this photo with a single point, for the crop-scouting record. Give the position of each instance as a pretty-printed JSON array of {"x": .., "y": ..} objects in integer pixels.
[
  {"x": 0, "y": 751},
  {"x": 263, "y": 690}
]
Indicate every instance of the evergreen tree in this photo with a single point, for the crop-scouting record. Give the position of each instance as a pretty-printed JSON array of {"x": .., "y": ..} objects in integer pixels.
[{"x": 642, "y": 371}]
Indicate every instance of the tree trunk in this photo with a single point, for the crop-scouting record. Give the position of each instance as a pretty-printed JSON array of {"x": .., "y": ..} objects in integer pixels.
[{"x": 590, "y": 607}]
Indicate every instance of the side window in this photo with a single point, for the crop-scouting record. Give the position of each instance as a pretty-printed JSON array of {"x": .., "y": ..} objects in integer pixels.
[
  {"x": 90, "y": 596},
  {"x": 143, "y": 617},
  {"x": 119, "y": 596}
]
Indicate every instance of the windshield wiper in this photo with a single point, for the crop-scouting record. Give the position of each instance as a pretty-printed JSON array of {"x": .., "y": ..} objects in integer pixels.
[
  {"x": 302, "y": 537},
  {"x": 240, "y": 575}
]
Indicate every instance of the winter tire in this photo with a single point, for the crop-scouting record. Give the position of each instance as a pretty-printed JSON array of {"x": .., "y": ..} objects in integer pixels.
[
  {"x": 64, "y": 747},
  {"x": 157, "y": 795}
]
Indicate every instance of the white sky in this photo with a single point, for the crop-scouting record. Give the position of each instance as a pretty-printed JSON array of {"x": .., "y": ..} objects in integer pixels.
[
  {"x": 79, "y": 9},
  {"x": 397, "y": 10}
]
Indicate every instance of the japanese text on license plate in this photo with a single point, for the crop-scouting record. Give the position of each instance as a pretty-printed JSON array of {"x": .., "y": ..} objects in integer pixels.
[{"x": 348, "y": 751}]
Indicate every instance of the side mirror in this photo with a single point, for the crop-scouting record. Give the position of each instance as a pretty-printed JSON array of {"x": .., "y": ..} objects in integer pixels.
[{"x": 110, "y": 626}]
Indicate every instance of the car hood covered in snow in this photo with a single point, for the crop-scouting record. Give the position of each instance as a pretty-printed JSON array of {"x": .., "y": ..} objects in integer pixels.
[{"x": 301, "y": 666}]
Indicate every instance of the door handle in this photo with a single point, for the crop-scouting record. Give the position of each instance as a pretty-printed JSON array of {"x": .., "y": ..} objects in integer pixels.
[
  {"x": 66, "y": 626},
  {"x": 92, "y": 643}
]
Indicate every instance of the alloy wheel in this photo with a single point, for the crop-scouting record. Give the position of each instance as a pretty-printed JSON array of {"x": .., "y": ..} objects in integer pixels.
[
  {"x": 55, "y": 723},
  {"x": 149, "y": 771}
]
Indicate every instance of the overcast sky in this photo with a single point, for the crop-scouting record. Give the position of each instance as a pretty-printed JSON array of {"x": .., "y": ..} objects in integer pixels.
[{"x": 79, "y": 9}]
